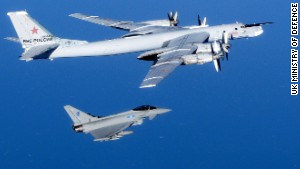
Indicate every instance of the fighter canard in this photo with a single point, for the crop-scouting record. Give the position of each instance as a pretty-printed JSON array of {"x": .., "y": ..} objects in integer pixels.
[
  {"x": 165, "y": 43},
  {"x": 111, "y": 127}
]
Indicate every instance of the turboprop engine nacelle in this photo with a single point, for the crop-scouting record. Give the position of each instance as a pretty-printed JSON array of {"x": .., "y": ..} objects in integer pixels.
[
  {"x": 199, "y": 58},
  {"x": 215, "y": 48},
  {"x": 204, "y": 48}
]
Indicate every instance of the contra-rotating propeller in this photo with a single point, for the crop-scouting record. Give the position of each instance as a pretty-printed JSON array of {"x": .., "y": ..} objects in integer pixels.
[
  {"x": 173, "y": 18},
  {"x": 220, "y": 48},
  {"x": 225, "y": 44},
  {"x": 201, "y": 23},
  {"x": 216, "y": 49}
]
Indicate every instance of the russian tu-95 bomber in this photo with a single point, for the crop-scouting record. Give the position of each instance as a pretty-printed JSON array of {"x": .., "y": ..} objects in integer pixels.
[{"x": 162, "y": 41}]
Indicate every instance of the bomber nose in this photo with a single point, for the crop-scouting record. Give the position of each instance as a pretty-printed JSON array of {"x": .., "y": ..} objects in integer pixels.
[{"x": 259, "y": 31}]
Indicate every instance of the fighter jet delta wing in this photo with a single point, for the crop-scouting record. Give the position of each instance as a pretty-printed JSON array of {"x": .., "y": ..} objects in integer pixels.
[
  {"x": 111, "y": 127},
  {"x": 167, "y": 61}
]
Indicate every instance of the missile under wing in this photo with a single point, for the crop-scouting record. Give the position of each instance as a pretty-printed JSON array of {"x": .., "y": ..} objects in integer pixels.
[{"x": 113, "y": 127}]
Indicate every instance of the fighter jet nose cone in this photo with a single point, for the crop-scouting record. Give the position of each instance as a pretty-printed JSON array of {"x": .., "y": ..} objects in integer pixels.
[{"x": 165, "y": 110}]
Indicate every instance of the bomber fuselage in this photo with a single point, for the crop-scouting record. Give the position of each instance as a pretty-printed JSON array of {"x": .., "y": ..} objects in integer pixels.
[{"x": 152, "y": 41}]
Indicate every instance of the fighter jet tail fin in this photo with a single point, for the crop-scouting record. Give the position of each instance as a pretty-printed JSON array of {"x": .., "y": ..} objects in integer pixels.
[
  {"x": 78, "y": 116},
  {"x": 29, "y": 31}
]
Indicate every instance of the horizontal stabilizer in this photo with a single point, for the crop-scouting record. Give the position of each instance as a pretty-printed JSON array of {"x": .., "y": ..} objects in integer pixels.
[
  {"x": 39, "y": 52},
  {"x": 13, "y": 39}
]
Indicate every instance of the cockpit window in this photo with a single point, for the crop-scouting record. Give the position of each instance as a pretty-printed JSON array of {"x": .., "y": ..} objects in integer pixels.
[
  {"x": 94, "y": 115},
  {"x": 144, "y": 107}
]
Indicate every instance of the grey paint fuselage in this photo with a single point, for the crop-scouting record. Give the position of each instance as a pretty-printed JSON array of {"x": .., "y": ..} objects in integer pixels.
[
  {"x": 152, "y": 41},
  {"x": 121, "y": 118}
]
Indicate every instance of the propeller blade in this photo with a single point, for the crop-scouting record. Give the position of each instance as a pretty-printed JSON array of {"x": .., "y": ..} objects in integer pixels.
[
  {"x": 170, "y": 14},
  {"x": 204, "y": 21},
  {"x": 175, "y": 16},
  {"x": 201, "y": 23},
  {"x": 225, "y": 43},
  {"x": 215, "y": 47},
  {"x": 225, "y": 37},
  {"x": 217, "y": 65},
  {"x": 199, "y": 20}
]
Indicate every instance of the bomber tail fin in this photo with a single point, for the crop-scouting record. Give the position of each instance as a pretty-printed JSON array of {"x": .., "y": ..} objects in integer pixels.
[
  {"x": 29, "y": 31},
  {"x": 78, "y": 116},
  {"x": 37, "y": 41}
]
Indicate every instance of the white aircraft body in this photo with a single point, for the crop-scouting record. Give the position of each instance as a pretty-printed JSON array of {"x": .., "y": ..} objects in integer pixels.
[
  {"x": 165, "y": 43},
  {"x": 111, "y": 127}
]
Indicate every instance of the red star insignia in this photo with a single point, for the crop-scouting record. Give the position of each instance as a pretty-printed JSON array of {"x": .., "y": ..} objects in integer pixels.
[{"x": 34, "y": 30}]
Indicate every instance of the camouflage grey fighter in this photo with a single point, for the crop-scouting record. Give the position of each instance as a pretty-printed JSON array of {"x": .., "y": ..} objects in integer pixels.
[{"x": 105, "y": 128}]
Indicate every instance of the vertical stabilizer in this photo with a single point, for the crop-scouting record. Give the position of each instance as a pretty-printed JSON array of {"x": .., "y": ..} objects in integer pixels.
[
  {"x": 30, "y": 32},
  {"x": 77, "y": 116}
]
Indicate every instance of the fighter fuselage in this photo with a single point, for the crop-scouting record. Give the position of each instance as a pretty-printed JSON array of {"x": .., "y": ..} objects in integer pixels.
[{"x": 121, "y": 118}]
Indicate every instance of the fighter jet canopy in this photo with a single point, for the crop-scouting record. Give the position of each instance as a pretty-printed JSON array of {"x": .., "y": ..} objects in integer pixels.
[{"x": 144, "y": 107}]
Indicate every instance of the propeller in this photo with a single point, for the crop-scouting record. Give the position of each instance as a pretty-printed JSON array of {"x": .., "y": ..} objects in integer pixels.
[
  {"x": 225, "y": 44},
  {"x": 215, "y": 48},
  {"x": 173, "y": 18},
  {"x": 200, "y": 23},
  {"x": 218, "y": 47},
  {"x": 217, "y": 64},
  {"x": 199, "y": 20}
]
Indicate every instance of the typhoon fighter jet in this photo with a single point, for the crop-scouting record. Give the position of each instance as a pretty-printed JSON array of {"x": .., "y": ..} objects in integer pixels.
[
  {"x": 113, "y": 127},
  {"x": 163, "y": 42}
]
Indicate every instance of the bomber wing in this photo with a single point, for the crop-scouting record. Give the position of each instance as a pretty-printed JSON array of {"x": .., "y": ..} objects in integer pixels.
[
  {"x": 134, "y": 28},
  {"x": 111, "y": 132},
  {"x": 39, "y": 52},
  {"x": 170, "y": 59},
  {"x": 124, "y": 25}
]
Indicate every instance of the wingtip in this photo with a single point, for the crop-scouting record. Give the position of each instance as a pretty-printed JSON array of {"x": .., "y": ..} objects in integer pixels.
[
  {"x": 73, "y": 14},
  {"x": 24, "y": 12},
  {"x": 66, "y": 106},
  {"x": 147, "y": 86}
]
